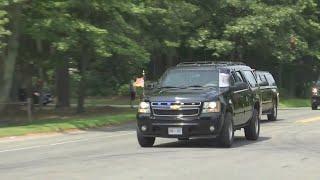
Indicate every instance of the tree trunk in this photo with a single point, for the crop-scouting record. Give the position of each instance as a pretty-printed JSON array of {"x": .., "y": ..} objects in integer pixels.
[
  {"x": 280, "y": 74},
  {"x": 28, "y": 70},
  {"x": 292, "y": 86},
  {"x": 63, "y": 85},
  {"x": 169, "y": 59},
  {"x": 41, "y": 76},
  {"x": 9, "y": 59},
  {"x": 83, "y": 62},
  {"x": 14, "y": 89}
]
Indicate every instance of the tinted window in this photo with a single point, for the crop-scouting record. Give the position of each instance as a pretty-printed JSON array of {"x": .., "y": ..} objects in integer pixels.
[
  {"x": 258, "y": 77},
  {"x": 250, "y": 78},
  {"x": 270, "y": 80},
  {"x": 238, "y": 77},
  {"x": 190, "y": 77},
  {"x": 262, "y": 78}
]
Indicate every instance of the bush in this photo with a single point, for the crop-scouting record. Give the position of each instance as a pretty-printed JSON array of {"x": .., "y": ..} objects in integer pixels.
[{"x": 123, "y": 90}]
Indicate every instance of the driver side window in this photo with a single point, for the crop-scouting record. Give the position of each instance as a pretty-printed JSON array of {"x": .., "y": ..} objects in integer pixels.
[
  {"x": 248, "y": 75},
  {"x": 237, "y": 77}
]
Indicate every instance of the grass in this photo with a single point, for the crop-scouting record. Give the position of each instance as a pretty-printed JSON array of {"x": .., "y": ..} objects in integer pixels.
[
  {"x": 60, "y": 125},
  {"x": 294, "y": 102},
  {"x": 112, "y": 100}
]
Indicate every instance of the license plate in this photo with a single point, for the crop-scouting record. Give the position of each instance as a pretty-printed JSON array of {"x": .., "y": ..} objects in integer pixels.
[{"x": 174, "y": 131}]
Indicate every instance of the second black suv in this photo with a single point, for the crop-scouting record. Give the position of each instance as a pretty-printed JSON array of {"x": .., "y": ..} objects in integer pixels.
[
  {"x": 201, "y": 99},
  {"x": 269, "y": 94}
]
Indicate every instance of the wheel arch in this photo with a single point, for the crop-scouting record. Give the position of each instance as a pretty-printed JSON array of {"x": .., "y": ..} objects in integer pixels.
[
  {"x": 226, "y": 107},
  {"x": 257, "y": 106}
]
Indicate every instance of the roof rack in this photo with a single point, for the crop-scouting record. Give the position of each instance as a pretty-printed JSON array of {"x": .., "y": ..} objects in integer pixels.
[{"x": 215, "y": 63}]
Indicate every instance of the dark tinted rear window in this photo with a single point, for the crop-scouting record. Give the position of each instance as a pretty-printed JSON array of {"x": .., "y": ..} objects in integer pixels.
[
  {"x": 270, "y": 79},
  {"x": 250, "y": 78},
  {"x": 262, "y": 78},
  {"x": 238, "y": 77}
]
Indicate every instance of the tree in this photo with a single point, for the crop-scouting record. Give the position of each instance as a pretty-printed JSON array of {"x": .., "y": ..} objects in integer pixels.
[
  {"x": 84, "y": 32},
  {"x": 9, "y": 52},
  {"x": 97, "y": 45}
]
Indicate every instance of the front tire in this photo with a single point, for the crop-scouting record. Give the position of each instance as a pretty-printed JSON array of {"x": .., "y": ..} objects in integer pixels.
[
  {"x": 314, "y": 107},
  {"x": 145, "y": 141},
  {"x": 226, "y": 135},
  {"x": 274, "y": 113},
  {"x": 252, "y": 131}
]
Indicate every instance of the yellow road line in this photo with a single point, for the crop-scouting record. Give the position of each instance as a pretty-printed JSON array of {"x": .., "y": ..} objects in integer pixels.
[{"x": 309, "y": 120}]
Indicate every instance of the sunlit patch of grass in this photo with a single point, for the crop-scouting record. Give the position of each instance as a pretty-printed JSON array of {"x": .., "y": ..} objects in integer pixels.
[
  {"x": 294, "y": 102},
  {"x": 60, "y": 125}
]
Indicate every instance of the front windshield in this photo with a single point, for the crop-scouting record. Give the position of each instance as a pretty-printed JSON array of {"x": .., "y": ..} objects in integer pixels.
[{"x": 190, "y": 78}]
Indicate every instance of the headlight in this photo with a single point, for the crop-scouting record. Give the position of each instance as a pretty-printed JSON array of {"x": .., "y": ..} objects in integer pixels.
[
  {"x": 211, "y": 107},
  {"x": 144, "y": 107},
  {"x": 314, "y": 90}
]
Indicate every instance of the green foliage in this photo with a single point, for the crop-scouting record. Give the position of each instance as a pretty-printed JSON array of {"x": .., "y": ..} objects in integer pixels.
[
  {"x": 232, "y": 28},
  {"x": 3, "y": 30},
  {"x": 100, "y": 85},
  {"x": 115, "y": 40},
  {"x": 290, "y": 103},
  {"x": 124, "y": 90}
]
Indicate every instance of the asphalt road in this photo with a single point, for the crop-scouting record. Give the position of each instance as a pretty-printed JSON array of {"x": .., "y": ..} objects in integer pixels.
[{"x": 287, "y": 149}]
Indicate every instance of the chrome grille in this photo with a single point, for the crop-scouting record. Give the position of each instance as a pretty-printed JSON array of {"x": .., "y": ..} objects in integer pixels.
[{"x": 176, "y": 108}]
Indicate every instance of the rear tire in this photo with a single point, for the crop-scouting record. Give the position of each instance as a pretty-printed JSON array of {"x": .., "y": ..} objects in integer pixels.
[
  {"x": 145, "y": 141},
  {"x": 274, "y": 113},
  {"x": 226, "y": 135},
  {"x": 314, "y": 107},
  {"x": 252, "y": 131}
]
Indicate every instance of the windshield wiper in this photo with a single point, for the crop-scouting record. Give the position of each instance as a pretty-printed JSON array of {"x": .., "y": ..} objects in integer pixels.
[
  {"x": 194, "y": 86},
  {"x": 169, "y": 87},
  {"x": 185, "y": 87},
  {"x": 199, "y": 86},
  {"x": 181, "y": 87}
]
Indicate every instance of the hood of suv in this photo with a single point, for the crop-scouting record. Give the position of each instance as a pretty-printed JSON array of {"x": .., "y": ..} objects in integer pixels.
[{"x": 183, "y": 95}]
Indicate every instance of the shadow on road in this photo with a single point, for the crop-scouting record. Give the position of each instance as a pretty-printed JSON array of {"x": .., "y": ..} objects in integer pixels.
[
  {"x": 209, "y": 143},
  {"x": 263, "y": 121}
]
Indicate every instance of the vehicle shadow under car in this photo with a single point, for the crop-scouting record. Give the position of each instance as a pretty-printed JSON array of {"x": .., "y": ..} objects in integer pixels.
[
  {"x": 239, "y": 141},
  {"x": 263, "y": 121}
]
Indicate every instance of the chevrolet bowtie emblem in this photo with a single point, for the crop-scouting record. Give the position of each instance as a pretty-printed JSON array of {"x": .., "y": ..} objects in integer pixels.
[{"x": 175, "y": 107}]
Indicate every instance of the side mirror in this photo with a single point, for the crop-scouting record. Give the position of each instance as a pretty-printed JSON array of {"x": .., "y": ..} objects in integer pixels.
[
  {"x": 239, "y": 86},
  {"x": 151, "y": 85},
  {"x": 264, "y": 83}
]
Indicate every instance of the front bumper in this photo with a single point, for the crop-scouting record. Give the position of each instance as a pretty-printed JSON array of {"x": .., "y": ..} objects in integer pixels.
[{"x": 197, "y": 126}]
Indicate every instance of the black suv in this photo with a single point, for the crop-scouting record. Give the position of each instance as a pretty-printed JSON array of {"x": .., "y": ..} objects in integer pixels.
[
  {"x": 315, "y": 98},
  {"x": 269, "y": 94},
  {"x": 201, "y": 99}
]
